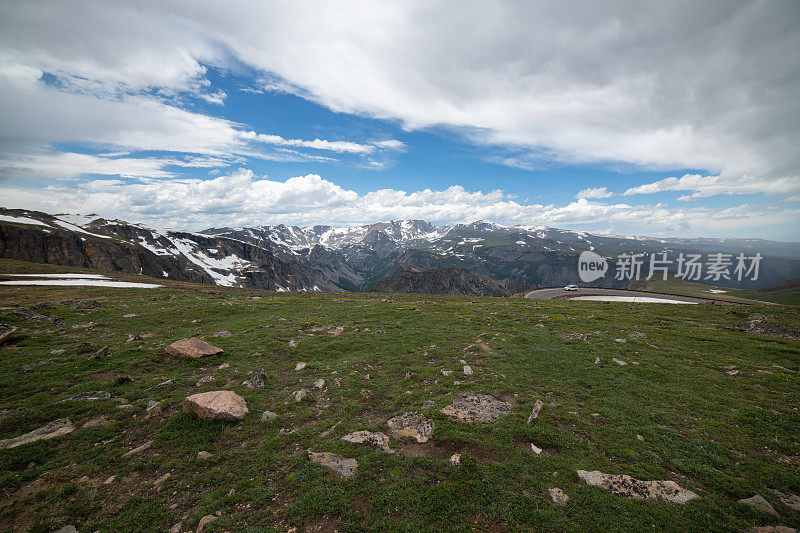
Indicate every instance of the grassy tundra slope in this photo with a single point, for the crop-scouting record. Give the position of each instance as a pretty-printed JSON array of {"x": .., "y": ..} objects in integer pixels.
[{"x": 723, "y": 436}]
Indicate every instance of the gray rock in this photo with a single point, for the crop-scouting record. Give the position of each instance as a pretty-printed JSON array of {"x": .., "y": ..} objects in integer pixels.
[
  {"x": 224, "y": 334},
  {"x": 622, "y": 485},
  {"x": 535, "y": 412},
  {"x": 759, "y": 503},
  {"x": 319, "y": 383},
  {"x": 204, "y": 456},
  {"x": 299, "y": 395},
  {"x": 789, "y": 500},
  {"x": 101, "y": 353},
  {"x": 292, "y": 343},
  {"x": 467, "y": 370},
  {"x": 429, "y": 404},
  {"x": 413, "y": 425},
  {"x": 558, "y": 496},
  {"x": 469, "y": 407},
  {"x": 268, "y": 416},
  {"x": 57, "y": 428},
  {"x": 255, "y": 382},
  {"x": 378, "y": 440},
  {"x": 347, "y": 468},
  {"x": 300, "y": 366},
  {"x": 90, "y": 396},
  {"x": 618, "y": 361},
  {"x": 138, "y": 449},
  {"x": 152, "y": 404}
]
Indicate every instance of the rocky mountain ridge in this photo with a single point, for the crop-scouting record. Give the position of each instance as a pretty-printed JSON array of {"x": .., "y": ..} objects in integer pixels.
[{"x": 324, "y": 258}]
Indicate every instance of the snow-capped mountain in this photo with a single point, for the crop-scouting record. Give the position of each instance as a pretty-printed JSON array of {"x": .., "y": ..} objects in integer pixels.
[{"x": 324, "y": 258}]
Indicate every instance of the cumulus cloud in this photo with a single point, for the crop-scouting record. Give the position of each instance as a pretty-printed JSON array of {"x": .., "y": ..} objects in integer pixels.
[
  {"x": 242, "y": 198},
  {"x": 594, "y": 192},
  {"x": 666, "y": 85}
]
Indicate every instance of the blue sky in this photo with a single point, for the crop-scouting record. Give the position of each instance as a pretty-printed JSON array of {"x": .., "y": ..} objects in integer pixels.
[{"x": 631, "y": 122}]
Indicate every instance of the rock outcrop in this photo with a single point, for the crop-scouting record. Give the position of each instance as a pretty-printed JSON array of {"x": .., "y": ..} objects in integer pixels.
[
  {"x": 191, "y": 348},
  {"x": 622, "y": 485},
  {"x": 57, "y": 428},
  {"x": 470, "y": 407}
]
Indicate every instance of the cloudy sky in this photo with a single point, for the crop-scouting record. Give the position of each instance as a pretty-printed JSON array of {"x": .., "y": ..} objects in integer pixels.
[{"x": 659, "y": 118}]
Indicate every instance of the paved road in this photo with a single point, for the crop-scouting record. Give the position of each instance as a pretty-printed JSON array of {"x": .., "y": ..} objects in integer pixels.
[{"x": 560, "y": 293}]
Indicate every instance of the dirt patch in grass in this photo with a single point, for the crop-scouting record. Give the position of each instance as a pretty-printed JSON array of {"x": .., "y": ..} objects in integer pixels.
[{"x": 443, "y": 451}]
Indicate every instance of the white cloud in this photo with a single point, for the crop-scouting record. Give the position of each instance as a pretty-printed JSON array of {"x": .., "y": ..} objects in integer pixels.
[
  {"x": 321, "y": 144},
  {"x": 594, "y": 192},
  {"x": 661, "y": 85},
  {"x": 704, "y": 186},
  {"x": 241, "y": 198}
]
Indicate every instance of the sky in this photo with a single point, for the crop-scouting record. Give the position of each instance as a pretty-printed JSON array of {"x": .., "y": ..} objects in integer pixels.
[{"x": 649, "y": 118}]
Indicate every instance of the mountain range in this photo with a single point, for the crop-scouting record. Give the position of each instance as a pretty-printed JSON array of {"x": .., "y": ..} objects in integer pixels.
[{"x": 398, "y": 256}]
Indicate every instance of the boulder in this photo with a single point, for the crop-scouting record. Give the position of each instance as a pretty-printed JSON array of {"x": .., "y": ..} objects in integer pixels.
[
  {"x": 268, "y": 416},
  {"x": 57, "y": 428},
  {"x": 378, "y": 440},
  {"x": 758, "y": 503},
  {"x": 299, "y": 395},
  {"x": 411, "y": 425},
  {"x": 469, "y": 407},
  {"x": 622, "y": 485},
  {"x": 191, "y": 348},
  {"x": 347, "y": 468},
  {"x": 217, "y": 405}
]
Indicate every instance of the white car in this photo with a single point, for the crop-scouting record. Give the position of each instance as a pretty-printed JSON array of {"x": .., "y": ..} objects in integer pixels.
[{"x": 571, "y": 288}]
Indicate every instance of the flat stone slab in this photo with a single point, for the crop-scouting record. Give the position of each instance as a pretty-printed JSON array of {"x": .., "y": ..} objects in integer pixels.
[
  {"x": 90, "y": 396},
  {"x": 347, "y": 468},
  {"x": 469, "y": 407},
  {"x": 758, "y": 503},
  {"x": 217, "y": 405},
  {"x": 622, "y": 485},
  {"x": 413, "y": 425},
  {"x": 191, "y": 348},
  {"x": 378, "y": 440},
  {"x": 57, "y": 428}
]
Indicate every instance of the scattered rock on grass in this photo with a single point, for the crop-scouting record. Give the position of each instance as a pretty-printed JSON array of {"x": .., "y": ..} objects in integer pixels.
[
  {"x": 191, "y": 348},
  {"x": 412, "y": 425},
  {"x": 102, "y": 352},
  {"x": 572, "y": 336},
  {"x": 366, "y": 393},
  {"x": 378, "y": 440},
  {"x": 224, "y": 334},
  {"x": 622, "y": 485},
  {"x": 770, "y": 529},
  {"x": 57, "y": 428},
  {"x": 90, "y": 396},
  {"x": 637, "y": 335},
  {"x": 292, "y": 343},
  {"x": 535, "y": 449},
  {"x": 138, "y": 449},
  {"x": 759, "y": 503},
  {"x": 255, "y": 382},
  {"x": 204, "y": 522},
  {"x": 535, "y": 413},
  {"x": 300, "y": 366},
  {"x": 299, "y": 395},
  {"x": 429, "y": 404},
  {"x": 455, "y": 459},
  {"x": 558, "y": 496},
  {"x": 319, "y": 383},
  {"x": 217, "y": 405},
  {"x": 467, "y": 370},
  {"x": 347, "y": 468},
  {"x": 268, "y": 416},
  {"x": 618, "y": 361},
  {"x": 6, "y": 332},
  {"x": 204, "y": 456},
  {"x": 789, "y": 500},
  {"x": 469, "y": 407}
]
